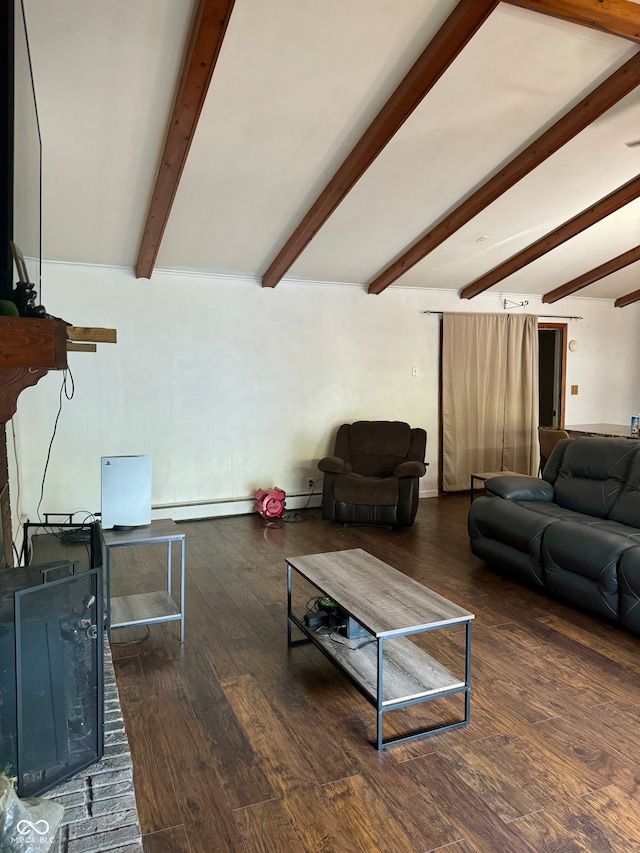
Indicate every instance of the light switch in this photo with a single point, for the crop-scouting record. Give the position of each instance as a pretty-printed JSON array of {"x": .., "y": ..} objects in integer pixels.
[
  {"x": 414, "y": 369},
  {"x": 574, "y": 390}
]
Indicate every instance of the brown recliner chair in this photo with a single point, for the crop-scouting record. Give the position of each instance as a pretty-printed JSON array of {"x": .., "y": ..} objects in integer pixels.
[{"x": 373, "y": 476}]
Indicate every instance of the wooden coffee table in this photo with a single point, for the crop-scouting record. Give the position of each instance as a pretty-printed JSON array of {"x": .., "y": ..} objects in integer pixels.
[{"x": 388, "y": 668}]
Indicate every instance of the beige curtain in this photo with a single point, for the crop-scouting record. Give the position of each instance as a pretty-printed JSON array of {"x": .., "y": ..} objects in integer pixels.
[{"x": 489, "y": 395}]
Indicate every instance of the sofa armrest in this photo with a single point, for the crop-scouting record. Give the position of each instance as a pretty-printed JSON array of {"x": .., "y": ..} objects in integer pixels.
[
  {"x": 334, "y": 465},
  {"x": 411, "y": 468},
  {"x": 520, "y": 488}
]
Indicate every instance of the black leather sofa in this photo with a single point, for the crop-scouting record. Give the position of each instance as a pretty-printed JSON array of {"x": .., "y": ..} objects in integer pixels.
[{"x": 575, "y": 531}]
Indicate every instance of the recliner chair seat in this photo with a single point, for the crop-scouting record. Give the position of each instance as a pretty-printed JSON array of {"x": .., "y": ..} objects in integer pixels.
[{"x": 358, "y": 489}]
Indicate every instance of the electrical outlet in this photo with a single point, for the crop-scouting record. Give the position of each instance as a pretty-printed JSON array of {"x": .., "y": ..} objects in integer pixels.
[{"x": 310, "y": 482}]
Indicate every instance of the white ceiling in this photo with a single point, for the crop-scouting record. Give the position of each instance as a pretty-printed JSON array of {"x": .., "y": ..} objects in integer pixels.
[{"x": 296, "y": 84}]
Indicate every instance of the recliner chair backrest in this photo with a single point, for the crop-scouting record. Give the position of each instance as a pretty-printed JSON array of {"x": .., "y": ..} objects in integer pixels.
[{"x": 374, "y": 448}]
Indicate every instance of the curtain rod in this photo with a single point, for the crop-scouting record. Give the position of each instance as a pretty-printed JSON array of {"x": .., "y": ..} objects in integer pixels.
[{"x": 544, "y": 316}]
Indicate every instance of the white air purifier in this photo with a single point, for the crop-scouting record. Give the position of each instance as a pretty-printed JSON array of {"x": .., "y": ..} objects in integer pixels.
[{"x": 125, "y": 491}]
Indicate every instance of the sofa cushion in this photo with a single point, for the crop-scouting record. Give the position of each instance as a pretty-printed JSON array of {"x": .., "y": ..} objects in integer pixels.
[
  {"x": 512, "y": 562},
  {"x": 625, "y": 531},
  {"x": 550, "y": 471},
  {"x": 562, "y": 514},
  {"x": 554, "y": 511},
  {"x": 626, "y": 509},
  {"x": 581, "y": 564},
  {"x": 593, "y": 474},
  {"x": 629, "y": 581},
  {"x": 492, "y": 518}
]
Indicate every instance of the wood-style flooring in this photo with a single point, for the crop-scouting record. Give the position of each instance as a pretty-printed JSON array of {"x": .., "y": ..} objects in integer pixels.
[{"x": 242, "y": 744}]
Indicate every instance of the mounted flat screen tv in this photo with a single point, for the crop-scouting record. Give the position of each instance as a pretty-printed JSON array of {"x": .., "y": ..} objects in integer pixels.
[{"x": 20, "y": 151}]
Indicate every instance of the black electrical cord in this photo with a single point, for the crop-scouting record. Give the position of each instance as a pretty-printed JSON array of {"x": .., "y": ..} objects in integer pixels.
[
  {"x": 80, "y": 535},
  {"x": 67, "y": 377},
  {"x": 131, "y": 642}
]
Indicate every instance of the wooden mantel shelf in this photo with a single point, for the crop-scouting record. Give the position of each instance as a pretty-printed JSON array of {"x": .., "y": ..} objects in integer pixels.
[
  {"x": 29, "y": 348},
  {"x": 33, "y": 342}
]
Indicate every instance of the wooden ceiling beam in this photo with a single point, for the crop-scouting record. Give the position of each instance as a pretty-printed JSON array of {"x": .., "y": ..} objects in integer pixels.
[
  {"x": 603, "y": 97},
  {"x": 595, "y": 274},
  {"x": 601, "y": 209},
  {"x": 617, "y": 17},
  {"x": 207, "y": 34},
  {"x": 451, "y": 38},
  {"x": 621, "y": 301}
]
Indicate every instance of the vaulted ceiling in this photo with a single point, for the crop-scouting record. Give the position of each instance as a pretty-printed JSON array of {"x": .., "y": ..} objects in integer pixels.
[{"x": 466, "y": 145}]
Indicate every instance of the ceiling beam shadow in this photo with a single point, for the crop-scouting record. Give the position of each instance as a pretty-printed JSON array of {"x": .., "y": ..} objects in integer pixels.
[
  {"x": 616, "y": 17},
  {"x": 207, "y": 34},
  {"x": 445, "y": 46},
  {"x": 595, "y": 274},
  {"x": 595, "y": 104},
  {"x": 598, "y": 211}
]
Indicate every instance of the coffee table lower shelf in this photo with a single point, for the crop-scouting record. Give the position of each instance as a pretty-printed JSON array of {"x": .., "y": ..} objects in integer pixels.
[{"x": 391, "y": 673}]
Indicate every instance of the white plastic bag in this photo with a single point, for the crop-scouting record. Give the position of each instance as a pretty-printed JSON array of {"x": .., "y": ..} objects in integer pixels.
[{"x": 27, "y": 825}]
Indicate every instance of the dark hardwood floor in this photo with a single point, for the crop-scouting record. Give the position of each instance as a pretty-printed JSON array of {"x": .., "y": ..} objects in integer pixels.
[{"x": 241, "y": 744}]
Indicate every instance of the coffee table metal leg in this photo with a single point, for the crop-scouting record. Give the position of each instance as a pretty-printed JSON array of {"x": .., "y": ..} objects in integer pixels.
[
  {"x": 466, "y": 689},
  {"x": 467, "y": 675},
  {"x": 291, "y": 642},
  {"x": 288, "y": 604},
  {"x": 380, "y": 694}
]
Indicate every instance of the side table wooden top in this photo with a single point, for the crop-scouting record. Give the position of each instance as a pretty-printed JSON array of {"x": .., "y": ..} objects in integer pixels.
[
  {"x": 160, "y": 530},
  {"x": 487, "y": 475}
]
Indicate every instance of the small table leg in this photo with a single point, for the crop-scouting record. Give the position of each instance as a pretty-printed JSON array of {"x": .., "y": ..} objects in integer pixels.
[
  {"x": 467, "y": 674},
  {"x": 182, "y": 571},
  {"x": 108, "y": 576},
  {"x": 290, "y": 641},
  {"x": 169, "y": 568}
]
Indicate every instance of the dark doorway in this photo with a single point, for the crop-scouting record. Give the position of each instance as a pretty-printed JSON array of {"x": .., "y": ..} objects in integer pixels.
[{"x": 551, "y": 373}]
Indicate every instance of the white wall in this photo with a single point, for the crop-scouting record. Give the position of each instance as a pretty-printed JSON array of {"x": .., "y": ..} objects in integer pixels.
[{"x": 231, "y": 387}]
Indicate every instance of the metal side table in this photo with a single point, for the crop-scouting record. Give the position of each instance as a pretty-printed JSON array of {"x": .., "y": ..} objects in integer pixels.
[{"x": 145, "y": 608}]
